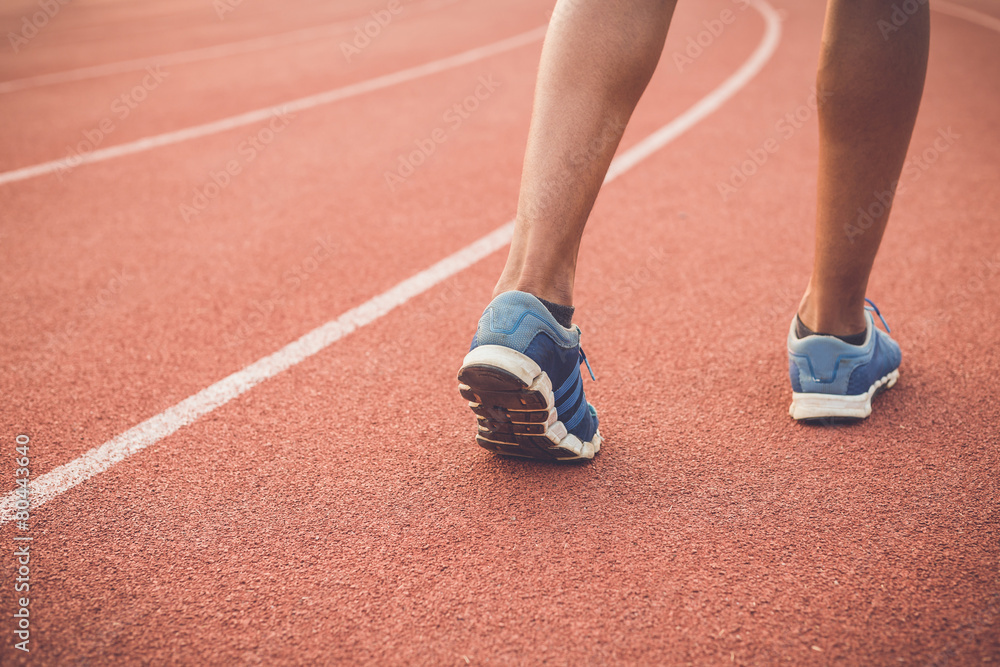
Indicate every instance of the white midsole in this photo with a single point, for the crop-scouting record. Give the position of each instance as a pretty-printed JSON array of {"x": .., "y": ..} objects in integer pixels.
[
  {"x": 817, "y": 406},
  {"x": 532, "y": 375},
  {"x": 512, "y": 361}
]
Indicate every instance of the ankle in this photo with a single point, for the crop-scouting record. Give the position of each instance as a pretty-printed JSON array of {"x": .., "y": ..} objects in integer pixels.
[
  {"x": 839, "y": 318},
  {"x": 556, "y": 292}
]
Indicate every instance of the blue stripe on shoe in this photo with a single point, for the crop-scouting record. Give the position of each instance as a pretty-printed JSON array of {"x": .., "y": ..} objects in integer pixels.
[
  {"x": 577, "y": 416},
  {"x": 569, "y": 407},
  {"x": 571, "y": 382},
  {"x": 569, "y": 402}
]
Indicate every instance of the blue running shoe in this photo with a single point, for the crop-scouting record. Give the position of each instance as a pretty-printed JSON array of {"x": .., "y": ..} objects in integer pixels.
[
  {"x": 522, "y": 379},
  {"x": 834, "y": 379}
]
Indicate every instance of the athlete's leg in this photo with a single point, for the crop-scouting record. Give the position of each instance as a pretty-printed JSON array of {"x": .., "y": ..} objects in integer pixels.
[
  {"x": 869, "y": 86},
  {"x": 522, "y": 374},
  {"x": 597, "y": 59}
]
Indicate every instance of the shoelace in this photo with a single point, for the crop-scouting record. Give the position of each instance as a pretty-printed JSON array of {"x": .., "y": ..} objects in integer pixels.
[
  {"x": 583, "y": 357},
  {"x": 873, "y": 309}
]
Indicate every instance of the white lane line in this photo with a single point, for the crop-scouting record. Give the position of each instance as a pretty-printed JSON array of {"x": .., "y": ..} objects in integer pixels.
[
  {"x": 205, "y": 53},
  {"x": 707, "y": 104},
  {"x": 99, "y": 459},
  {"x": 970, "y": 15},
  {"x": 259, "y": 115}
]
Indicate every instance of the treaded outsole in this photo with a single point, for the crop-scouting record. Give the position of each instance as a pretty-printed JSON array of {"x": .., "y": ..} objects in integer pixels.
[
  {"x": 833, "y": 408},
  {"x": 514, "y": 405}
]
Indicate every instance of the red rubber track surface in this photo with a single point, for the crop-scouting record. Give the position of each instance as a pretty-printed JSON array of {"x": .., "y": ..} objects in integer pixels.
[{"x": 341, "y": 512}]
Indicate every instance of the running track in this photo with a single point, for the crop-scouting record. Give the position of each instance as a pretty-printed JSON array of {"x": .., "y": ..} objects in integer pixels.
[{"x": 340, "y": 511}]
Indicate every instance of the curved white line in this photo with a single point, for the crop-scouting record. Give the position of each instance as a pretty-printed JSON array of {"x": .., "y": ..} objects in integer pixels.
[
  {"x": 967, "y": 14},
  {"x": 154, "y": 429},
  {"x": 709, "y": 103},
  {"x": 259, "y": 115},
  {"x": 204, "y": 53}
]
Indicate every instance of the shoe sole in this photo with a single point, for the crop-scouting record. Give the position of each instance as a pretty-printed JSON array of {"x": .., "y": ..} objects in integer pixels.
[
  {"x": 512, "y": 399},
  {"x": 809, "y": 406}
]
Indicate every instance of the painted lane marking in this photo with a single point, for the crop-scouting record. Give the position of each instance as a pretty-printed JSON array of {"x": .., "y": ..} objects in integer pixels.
[{"x": 97, "y": 460}]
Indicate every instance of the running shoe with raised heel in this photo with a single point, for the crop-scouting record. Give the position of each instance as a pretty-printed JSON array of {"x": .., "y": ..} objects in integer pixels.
[
  {"x": 522, "y": 380},
  {"x": 834, "y": 380}
]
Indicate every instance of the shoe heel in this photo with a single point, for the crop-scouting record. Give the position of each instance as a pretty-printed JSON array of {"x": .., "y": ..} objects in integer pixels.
[
  {"x": 515, "y": 407},
  {"x": 814, "y": 407}
]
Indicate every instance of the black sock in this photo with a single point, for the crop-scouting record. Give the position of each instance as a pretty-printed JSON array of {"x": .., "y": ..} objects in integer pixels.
[
  {"x": 563, "y": 314},
  {"x": 801, "y": 331}
]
